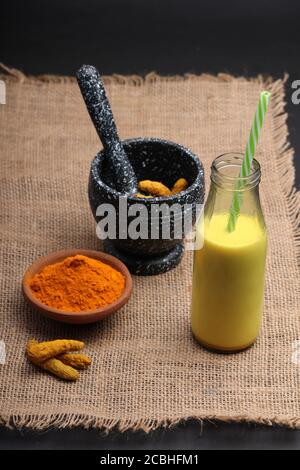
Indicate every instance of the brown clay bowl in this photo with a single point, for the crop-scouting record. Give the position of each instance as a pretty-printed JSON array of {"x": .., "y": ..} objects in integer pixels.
[{"x": 76, "y": 317}]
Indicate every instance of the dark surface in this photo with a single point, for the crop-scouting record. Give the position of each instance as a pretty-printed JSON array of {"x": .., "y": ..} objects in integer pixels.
[
  {"x": 170, "y": 37},
  {"x": 247, "y": 38}
]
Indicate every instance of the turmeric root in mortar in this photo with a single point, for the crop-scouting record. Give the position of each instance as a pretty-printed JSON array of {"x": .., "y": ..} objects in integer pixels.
[
  {"x": 179, "y": 186},
  {"x": 140, "y": 195},
  {"x": 154, "y": 188}
]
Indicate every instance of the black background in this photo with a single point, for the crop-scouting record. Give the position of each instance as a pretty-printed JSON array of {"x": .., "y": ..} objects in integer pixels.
[{"x": 246, "y": 37}]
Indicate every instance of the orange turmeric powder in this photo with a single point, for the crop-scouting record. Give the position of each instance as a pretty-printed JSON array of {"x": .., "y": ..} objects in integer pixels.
[{"x": 77, "y": 284}]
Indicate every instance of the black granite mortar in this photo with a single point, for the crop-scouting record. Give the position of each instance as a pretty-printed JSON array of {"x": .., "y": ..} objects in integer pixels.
[{"x": 157, "y": 160}]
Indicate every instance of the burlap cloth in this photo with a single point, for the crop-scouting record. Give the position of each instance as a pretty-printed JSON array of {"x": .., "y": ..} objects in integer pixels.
[{"x": 147, "y": 370}]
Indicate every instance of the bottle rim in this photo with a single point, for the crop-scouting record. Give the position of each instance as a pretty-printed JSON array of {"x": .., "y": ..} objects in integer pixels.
[{"x": 234, "y": 182}]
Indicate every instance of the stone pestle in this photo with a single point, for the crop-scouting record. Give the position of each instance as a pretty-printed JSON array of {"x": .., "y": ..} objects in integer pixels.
[{"x": 99, "y": 109}]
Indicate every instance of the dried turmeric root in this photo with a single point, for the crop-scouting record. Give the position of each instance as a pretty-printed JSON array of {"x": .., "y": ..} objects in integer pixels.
[
  {"x": 179, "y": 186},
  {"x": 155, "y": 188},
  {"x": 55, "y": 365},
  {"x": 61, "y": 370},
  {"x": 140, "y": 195},
  {"x": 40, "y": 352},
  {"x": 78, "y": 361}
]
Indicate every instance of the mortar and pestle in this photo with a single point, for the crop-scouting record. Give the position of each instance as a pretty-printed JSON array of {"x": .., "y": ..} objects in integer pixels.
[{"x": 115, "y": 172}]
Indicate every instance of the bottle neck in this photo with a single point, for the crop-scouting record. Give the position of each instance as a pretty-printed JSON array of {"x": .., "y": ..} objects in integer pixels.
[
  {"x": 226, "y": 173},
  {"x": 226, "y": 181}
]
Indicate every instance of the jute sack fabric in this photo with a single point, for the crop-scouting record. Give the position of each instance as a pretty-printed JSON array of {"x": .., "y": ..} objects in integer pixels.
[{"x": 147, "y": 370}]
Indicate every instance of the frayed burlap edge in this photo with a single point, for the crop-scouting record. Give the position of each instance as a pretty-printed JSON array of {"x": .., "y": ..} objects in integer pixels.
[
  {"x": 70, "y": 420},
  {"x": 286, "y": 170},
  {"x": 10, "y": 74}
]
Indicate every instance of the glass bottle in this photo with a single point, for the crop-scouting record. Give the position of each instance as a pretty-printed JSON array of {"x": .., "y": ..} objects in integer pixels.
[{"x": 229, "y": 266}]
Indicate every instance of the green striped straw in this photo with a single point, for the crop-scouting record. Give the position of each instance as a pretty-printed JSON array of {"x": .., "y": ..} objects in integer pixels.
[{"x": 248, "y": 158}]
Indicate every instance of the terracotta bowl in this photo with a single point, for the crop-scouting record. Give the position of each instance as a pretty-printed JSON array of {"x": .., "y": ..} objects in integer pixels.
[{"x": 76, "y": 317}]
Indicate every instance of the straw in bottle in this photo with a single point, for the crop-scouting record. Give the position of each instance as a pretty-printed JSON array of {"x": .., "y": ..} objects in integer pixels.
[{"x": 248, "y": 158}]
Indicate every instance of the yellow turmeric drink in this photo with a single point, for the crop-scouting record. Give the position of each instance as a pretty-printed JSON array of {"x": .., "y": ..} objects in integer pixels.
[{"x": 228, "y": 283}]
